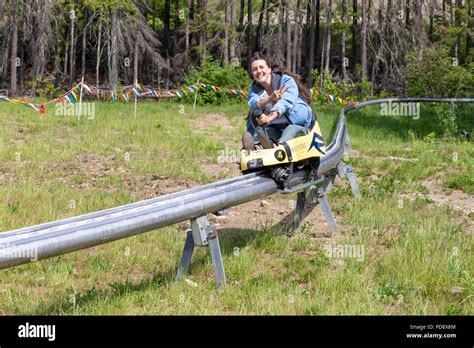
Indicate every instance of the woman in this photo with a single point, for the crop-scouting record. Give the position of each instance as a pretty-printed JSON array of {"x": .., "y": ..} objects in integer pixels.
[{"x": 279, "y": 105}]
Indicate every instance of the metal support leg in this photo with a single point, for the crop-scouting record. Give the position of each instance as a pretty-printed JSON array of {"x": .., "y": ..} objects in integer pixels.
[
  {"x": 315, "y": 195},
  {"x": 186, "y": 257},
  {"x": 298, "y": 216},
  {"x": 322, "y": 200},
  {"x": 345, "y": 170},
  {"x": 353, "y": 181},
  {"x": 216, "y": 257},
  {"x": 202, "y": 233},
  {"x": 347, "y": 144},
  {"x": 328, "y": 181}
]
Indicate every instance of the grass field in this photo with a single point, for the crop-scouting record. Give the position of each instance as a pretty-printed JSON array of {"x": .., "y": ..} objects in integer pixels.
[{"x": 412, "y": 229}]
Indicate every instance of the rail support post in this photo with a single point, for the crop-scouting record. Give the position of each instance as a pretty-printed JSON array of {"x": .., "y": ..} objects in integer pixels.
[
  {"x": 345, "y": 170},
  {"x": 299, "y": 210},
  {"x": 320, "y": 195},
  {"x": 202, "y": 233},
  {"x": 316, "y": 195}
]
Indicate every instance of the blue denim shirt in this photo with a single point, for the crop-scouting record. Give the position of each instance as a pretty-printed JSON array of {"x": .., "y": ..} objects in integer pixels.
[{"x": 291, "y": 104}]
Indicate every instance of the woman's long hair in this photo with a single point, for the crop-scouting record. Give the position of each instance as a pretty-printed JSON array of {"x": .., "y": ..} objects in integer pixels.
[{"x": 277, "y": 68}]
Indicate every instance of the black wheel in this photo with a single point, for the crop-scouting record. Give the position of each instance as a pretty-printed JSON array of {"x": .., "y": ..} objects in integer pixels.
[{"x": 281, "y": 174}]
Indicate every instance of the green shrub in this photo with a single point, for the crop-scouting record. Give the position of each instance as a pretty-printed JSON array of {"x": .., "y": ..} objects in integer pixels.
[
  {"x": 43, "y": 88},
  {"x": 324, "y": 82},
  {"x": 462, "y": 182},
  {"x": 447, "y": 119},
  {"x": 435, "y": 74},
  {"x": 222, "y": 75}
]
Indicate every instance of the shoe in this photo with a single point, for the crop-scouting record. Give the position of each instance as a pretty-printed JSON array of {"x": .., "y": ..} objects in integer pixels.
[
  {"x": 247, "y": 141},
  {"x": 264, "y": 139}
]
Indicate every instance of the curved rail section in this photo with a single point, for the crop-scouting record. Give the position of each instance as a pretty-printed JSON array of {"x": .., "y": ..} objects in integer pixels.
[{"x": 63, "y": 236}]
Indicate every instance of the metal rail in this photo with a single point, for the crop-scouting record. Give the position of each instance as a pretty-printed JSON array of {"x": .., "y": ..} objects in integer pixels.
[{"x": 76, "y": 233}]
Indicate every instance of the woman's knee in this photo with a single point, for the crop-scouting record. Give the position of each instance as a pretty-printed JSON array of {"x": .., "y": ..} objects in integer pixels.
[{"x": 293, "y": 131}]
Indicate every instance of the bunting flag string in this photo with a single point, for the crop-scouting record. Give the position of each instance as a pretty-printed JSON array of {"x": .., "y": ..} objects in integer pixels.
[
  {"x": 71, "y": 96},
  {"x": 315, "y": 92},
  {"x": 37, "y": 107}
]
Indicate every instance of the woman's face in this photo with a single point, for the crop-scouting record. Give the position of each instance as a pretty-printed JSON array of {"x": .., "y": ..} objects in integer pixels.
[{"x": 261, "y": 72}]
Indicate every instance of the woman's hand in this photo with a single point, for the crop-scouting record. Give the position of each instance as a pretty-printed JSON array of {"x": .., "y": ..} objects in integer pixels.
[
  {"x": 276, "y": 95},
  {"x": 266, "y": 119}
]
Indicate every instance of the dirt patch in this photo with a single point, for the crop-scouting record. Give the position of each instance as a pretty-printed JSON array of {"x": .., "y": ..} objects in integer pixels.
[
  {"x": 86, "y": 169},
  {"x": 91, "y": 167},
  {"x": 205, "y": 121},
  {"x": 457, "y": 199},
  {"x": 6, "y": 176},
  {"x": 9, "y": 178},
  {"x": 221, "y": 170},
  {"x": 91, "y": 164},
  {"x": 226, "y": 167},
  {"x": 275, "y": 210},
  {"x": 151, "y": 185}
]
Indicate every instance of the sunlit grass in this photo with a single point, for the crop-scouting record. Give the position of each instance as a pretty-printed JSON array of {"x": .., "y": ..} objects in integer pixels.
[{"x": 417, "y": 257}]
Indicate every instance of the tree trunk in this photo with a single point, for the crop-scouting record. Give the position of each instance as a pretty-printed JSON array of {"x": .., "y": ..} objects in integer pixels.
[
  {"x": 14, "y": 28},
  {"x": 166, "y": 27},
  {"x": 364, "y": 40},
  {"x": 407, "y": 15},
  {"x": 458, "y": 24},
  {"x": 84, "y": 42},
  {"x": 42, "y": 35},
  {"x": 241, "y": 17},
  {"x": 288, "y": 34},
  {"x": 72, "y": 60},
  {"x": 310, "y": 19},
  {"x": 66, "y": 59},
  {"x": 445, "y": 21},
  {"x": 232, "y": 30},
  {"x": 279, "y": 47},
  {"x": 343, "y": 40},
  {"x": 307, "y": 31},
  {"x": 249, "y": 29},
  {"x": 202, "y": 38},
  {"x": 24, "y": 48},
  {"x": 186, "y": 34},
  {"x": 468, "y": 32},
  {"x": 97, "y": 66},
  {"x": 191, "y": 20},
  {"x": 174, "y": 47},
  {"x": 267, "y": 19},
  {"x": 419, "y": 25},
  {"x": 378, "y": 44},
  {"x": 226, "y": 31},
  {"x": 354, "y": 33},
  {"x": 328, "y": 36},
  {"x": 431, "y": 20},
  {"x": 113, "y": 73},
  {"x": 258, "y": 36},
  {"x": 296, "y": 43},
  {"x": 317, "y": 28},
  {"x": 57, "y": 62},
  {"x": 135, "y": 61},
  {"x": 5, "y": 50},
  {"x": 451, "y": 10}
]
